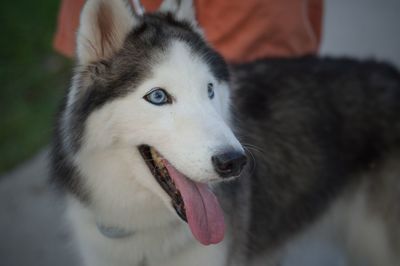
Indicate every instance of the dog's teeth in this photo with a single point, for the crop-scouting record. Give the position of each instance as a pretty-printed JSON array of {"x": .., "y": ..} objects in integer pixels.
[
  {"x": 167, "y": 183},
  {"x": 156, "y": 158}
]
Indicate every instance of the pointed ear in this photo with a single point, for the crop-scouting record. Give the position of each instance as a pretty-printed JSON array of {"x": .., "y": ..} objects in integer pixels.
[
  {"x": 182, "y": 9},
  {"x": 103, "y": 28}
]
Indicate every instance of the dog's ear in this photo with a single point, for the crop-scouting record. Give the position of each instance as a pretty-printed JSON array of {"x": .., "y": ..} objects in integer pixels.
[
  {"x": 103, "y": 28},
  {"x": 182, "y": 9}
]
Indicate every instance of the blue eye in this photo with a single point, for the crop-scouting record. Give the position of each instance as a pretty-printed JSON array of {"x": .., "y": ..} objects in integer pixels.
[
  {"x": 210, "y": 90},
  {"x": 158, "y": 96}
]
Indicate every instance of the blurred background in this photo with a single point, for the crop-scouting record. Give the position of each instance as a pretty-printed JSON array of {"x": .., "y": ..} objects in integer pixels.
[{"x": 33, "y": 78}]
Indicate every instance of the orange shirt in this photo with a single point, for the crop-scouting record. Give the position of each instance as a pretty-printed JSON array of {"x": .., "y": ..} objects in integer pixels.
[{"x": 240, "y": 30}]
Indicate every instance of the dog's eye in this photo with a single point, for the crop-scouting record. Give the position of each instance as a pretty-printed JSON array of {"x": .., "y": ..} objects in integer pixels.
[
  {"x": 158, "y": 96},
  {"x": 210, "y": 90}
]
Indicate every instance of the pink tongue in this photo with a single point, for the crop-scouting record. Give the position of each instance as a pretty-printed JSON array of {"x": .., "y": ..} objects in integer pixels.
[{"x": 204, "y": 214}]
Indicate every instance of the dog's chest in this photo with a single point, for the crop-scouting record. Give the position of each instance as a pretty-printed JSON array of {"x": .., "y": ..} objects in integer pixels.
[{"x": 169, "y": 245}]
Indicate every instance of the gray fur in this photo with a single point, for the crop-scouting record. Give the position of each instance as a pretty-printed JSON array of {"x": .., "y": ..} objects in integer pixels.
[{"x": 313, "y": 125}]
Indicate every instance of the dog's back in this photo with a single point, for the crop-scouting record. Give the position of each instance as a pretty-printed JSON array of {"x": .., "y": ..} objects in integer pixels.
[{"x": 317, "y": 129}]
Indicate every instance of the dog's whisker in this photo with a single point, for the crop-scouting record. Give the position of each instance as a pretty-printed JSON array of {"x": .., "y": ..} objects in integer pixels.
[
  {"x": 253, "y": 161},
  {"x": 254, "y": 148}
]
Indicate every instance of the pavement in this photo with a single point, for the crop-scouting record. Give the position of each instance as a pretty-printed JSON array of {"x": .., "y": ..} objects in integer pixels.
[{"x": 32, "y": 228}]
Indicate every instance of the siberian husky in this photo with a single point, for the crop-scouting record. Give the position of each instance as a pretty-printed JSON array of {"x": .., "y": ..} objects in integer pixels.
[{"x": 156, "y": 129}]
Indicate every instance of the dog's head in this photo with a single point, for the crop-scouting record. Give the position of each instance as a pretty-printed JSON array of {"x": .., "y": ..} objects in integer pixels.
[{"x": 147, "y": 116}]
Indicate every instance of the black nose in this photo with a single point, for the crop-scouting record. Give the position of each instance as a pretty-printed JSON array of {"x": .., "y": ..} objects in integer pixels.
[{"x": 229, "y": 164}]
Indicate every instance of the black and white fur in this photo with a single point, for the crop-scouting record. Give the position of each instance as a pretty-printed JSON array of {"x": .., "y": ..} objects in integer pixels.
[{"x": 322, "y": 136}]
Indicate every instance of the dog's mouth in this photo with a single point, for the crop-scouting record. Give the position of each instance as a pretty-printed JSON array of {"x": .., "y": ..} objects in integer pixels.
[
  {"x": 194, "y": 202},
  {"x": 160, "y": 172}
]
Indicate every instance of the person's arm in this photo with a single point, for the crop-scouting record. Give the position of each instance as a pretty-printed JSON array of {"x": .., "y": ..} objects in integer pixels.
[
  {"x": 315, "y": 14},
  {"x": 68, "y": 22}
]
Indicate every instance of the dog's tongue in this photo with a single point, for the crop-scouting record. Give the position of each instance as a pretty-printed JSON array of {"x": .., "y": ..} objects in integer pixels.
[{"x": 204, "y": 214}]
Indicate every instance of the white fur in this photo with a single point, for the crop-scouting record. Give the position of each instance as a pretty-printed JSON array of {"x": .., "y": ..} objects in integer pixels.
[
  {"x": 169, "y": 245},
  {"x": 89, "y": 43},
  {"x": 123, "y": 191}
]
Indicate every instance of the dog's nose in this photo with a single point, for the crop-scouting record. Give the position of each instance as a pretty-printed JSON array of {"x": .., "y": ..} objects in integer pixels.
[{"x": 229, "y": 164}]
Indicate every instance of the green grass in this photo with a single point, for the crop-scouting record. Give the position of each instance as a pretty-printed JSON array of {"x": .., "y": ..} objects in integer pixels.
[{"x": 32, "y": 78}]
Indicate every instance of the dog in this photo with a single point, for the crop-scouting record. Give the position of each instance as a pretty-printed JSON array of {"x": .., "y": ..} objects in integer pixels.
[{"x": 169, "y": 156}]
